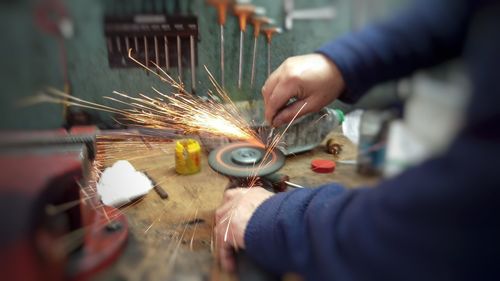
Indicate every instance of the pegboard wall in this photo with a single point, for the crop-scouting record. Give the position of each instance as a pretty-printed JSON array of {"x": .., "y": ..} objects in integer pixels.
[{"x": 31, "y": 58}]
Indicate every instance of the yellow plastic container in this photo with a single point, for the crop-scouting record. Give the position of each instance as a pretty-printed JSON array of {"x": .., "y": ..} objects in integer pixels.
[{"x": 187, "y": 157}]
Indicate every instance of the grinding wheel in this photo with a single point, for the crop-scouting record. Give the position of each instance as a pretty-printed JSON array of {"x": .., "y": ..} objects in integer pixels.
[{"x": 245, "y": 160}]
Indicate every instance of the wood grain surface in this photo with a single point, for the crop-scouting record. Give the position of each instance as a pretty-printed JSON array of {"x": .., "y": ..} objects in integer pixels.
[{"x": 171, "y": 239}]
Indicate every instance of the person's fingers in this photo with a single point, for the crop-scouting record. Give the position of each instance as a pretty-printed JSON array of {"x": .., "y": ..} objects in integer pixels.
[
  {"x": 226, "y": 258},
  {"x": 230, "y": 194},
  {"x": 270, "y": 84},
  {"x": 283, "y": 92},
  {"x": 223, "y": 212},
  {"x": 286, "y": 114},
  {"x": 224, "y": 246}
]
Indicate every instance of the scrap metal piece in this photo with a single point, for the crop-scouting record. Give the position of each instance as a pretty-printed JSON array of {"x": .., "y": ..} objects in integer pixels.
[{"x": 333, "y": 148}]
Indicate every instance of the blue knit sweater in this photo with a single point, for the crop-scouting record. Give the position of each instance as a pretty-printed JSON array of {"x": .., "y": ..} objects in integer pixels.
[{"x": 437, "y": 221}]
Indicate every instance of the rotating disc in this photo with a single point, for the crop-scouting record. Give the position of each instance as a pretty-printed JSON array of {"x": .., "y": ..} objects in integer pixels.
[{"x": 245, "y": 160}]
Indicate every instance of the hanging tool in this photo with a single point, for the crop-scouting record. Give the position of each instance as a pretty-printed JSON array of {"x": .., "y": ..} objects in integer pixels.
[
  {"x": 136, "y": 44},
  {"x": 179, "y": 57},
  {"x": 193, "y": 64},
  {"x": 179, "y": 28},
  {"x": 243, "y": 12},
  {"x": 146, "y": 54},
  {"x": 118, "y": 44},
  {"x": 221, "y": 6},
  {"x": 257, "y": 22},
  {"x": 157, "y": 55},
  {"x": 167, "y": 59},
  {"x": 166, "y": 28},
  {"x": 127, "y": 43},
  {"x": 269, "y": 32}
]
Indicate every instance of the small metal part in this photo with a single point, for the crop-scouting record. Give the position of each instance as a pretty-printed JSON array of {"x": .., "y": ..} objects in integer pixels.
[
  {"x": 193, "y": 63},
  {"x": 293, "y": 184},
  {"x": 333, "y": 148},
  {"x": 161, "y": 192}
]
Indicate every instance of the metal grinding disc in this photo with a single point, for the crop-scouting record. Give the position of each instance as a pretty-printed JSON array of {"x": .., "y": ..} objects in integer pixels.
[{"x": 245, "y": 160}]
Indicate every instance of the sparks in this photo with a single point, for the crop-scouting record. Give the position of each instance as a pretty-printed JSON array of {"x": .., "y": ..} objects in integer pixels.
[{"x": 180, "y": 111}]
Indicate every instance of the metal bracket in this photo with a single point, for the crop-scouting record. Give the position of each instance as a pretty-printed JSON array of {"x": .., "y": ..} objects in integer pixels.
[{"x": 321, "y": 13}]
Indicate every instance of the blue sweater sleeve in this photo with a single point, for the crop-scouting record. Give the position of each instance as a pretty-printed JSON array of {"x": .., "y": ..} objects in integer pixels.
[
  {"x": 424, "y": 34},
  {"x": 438, "y": 221}
]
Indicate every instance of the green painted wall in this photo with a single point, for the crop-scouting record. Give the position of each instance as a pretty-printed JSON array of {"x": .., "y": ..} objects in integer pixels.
[{"x": 30, "y": 59}]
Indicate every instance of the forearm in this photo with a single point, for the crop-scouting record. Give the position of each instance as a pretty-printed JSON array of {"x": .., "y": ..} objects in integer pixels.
[
  {"x": 428, "y": 223},
  {"x": 280, "y": 235}
]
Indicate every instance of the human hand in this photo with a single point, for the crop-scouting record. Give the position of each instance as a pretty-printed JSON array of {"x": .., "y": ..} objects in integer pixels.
[
  {"x": 231, "y": 220},
  {"x": 313, "y": 79}
]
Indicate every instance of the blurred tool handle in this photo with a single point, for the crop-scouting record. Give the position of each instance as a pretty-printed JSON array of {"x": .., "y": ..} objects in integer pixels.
[
  {"x": 326, "y": 13},
  {"x": 321, "y": 13}
]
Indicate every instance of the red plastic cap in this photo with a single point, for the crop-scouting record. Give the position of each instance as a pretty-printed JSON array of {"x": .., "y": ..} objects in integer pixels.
[{"x": 322, "y": 166}]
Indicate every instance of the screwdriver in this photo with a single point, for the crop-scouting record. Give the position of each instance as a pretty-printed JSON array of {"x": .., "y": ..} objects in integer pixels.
[
  {"x": 243, "y": 12},
  {"x": 167, "y": 59},
  {"x": 269, "y": 32},
  {"x": 221, "y": 6},
  {"x": 179, "y": 28},
  {"x": 257, "y": 23},
  {"x": 127, "y": 43},
  {"x": 179, "y": 57},
  {"x": 193, "y": 63},
  {"x": 146, "y": 55},
  {"x": 157, "y": 56}
]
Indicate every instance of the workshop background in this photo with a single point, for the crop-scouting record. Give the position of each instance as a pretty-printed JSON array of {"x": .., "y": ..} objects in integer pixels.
[
  {"x": 32, "y": 57},
  {"x": 70, "y": 45}
]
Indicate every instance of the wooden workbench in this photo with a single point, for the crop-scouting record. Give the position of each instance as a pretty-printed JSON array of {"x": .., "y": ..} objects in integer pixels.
[{"x": 171, "y": 239}]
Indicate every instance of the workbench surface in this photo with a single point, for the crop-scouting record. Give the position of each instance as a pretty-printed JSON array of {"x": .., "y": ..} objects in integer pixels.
[{"x": 171, "y": 239}]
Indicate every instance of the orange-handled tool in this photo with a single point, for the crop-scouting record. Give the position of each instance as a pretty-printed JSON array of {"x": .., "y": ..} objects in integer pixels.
[
  {"x": 257, "y": 22},
  {"x": 222, "y": 6},
  {"x": 243, "y": 12},
  {"x": 269, "y": 33}
]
